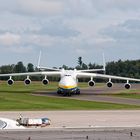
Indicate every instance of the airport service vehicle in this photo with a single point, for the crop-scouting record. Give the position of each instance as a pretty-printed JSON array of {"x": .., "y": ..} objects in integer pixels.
[
  {"x": 34, "y": 122},
  {"x": 68, "y": 84}
]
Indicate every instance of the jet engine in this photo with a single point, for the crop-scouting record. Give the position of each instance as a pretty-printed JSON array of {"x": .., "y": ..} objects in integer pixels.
[
  {"x": 45, "y": 81},
  {"x": 27, "y": 81},
  {"x": 91, "y": 83},
  {"x": 109, "y": 84},
  {"x": 10, "y": 81},
  {"x": 127, "y": 86}
]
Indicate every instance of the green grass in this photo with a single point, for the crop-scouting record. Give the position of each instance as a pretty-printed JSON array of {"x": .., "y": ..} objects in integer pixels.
[
  {"x": 134, "y": 94},
  {"x": 19, "y": 97}
]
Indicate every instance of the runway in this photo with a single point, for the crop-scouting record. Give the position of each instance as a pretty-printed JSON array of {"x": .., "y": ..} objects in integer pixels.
[
  {"x": 100, "y": 94},
  {"x": 82, "y": 119},
  {"x": 78, "y": 125},
  {"x": 73, "y": 134}
]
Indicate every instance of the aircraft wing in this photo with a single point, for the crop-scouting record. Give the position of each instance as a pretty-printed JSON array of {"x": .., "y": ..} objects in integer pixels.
[
  {"x": 47, "y": 73},
  {"x": 91, "y": 70},
  {"x": 104, "y": 76}
]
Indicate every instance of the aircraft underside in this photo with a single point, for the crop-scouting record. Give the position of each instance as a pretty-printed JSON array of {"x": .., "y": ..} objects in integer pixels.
[{"x": 68, "y": 92}]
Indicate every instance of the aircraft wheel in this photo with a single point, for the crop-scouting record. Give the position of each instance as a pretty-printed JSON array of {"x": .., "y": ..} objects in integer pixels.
[
  {"x": 69, "y": 94},
  {"x": 64, "y": 94},
  {"x": 58, "y": 92},
  {"x": 78, "y": 92}
]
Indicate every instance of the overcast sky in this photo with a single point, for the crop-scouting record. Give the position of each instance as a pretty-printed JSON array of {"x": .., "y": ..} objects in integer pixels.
[{"x": 66, "y": 29}]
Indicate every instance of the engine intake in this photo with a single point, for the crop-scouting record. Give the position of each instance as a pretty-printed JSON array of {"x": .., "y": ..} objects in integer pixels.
[
  {"x": 109, "y": 84},
  {"x": 127, "y": 86},
  {"x": 91, "y": 83},
  {"x": 10, "y": 81},
  {"x": 27, "y": 81},
  {"x": 45, "y": 81}
]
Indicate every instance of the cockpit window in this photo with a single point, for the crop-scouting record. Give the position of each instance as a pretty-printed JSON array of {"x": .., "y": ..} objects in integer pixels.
[{"x": 67, "y": 75}]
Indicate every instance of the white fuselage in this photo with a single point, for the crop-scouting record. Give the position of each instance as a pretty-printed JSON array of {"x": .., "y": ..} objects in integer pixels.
[
  {"x": 68, "y": 84},
  {"x": 68, "y": 79}
]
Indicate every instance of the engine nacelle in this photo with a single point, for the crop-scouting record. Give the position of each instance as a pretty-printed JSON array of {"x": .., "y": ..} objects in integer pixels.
[
  {"x": 10, "y": 81},
  {"x": 109, "y": 84},
  {"x": 27, "y": 81},
  {"x": 45, "y": 81},
  {"x": 91, "y": 83},
  {"x": 127, "y": 86}
]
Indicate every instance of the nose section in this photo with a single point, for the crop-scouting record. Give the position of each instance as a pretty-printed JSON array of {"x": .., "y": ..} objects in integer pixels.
[
  {"x": 67, "y": 86},
  {"x": 67, "y": 83}
]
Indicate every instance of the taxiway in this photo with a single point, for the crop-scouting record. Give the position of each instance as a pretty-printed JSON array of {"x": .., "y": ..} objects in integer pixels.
[
  {"x": 78, "y": 125},
  {"x": 100, "y": 94}
]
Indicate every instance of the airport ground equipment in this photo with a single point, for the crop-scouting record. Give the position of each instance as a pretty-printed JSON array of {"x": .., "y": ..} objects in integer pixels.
[{"x": 34, "y": 122}]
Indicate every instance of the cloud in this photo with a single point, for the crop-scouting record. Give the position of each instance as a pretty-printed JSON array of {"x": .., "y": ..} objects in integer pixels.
[
  {"x": 9, "y": 39},
  {"x": 127, "y": 31},
  {"x": 76, "y": 27},
  {"x": 57, "y": 27},
  {"x": 26, "y": 25},
  {"x": 17, "y": 24},
  {"x": 71, "y": 8},
  {"x": 101, "y": 8},
  {"x": 22, "y": 49},
  {"x": 32, "y": 7},
  {"x": 40, "y": 7},
  {"x": 119, "y": 4}
]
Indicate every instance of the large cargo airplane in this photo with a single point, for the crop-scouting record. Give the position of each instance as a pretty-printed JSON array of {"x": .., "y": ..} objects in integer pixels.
[{"x": 68, "y": 84}]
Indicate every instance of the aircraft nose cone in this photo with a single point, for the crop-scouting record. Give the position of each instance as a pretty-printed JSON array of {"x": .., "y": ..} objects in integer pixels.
[{"x": 67, "y": 83}]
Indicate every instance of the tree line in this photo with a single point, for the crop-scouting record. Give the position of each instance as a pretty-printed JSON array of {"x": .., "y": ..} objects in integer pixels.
[{"x": 128, "y": 68}]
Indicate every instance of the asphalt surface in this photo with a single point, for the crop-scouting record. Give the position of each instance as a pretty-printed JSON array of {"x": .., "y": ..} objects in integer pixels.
[
  {"x": 73, "y": 134},
  {"x": 103, "y": 98},
  {"x": 78, "y": 125},
  {"x": 101, "y": 94},
  {"x": 82, "y": 119}
]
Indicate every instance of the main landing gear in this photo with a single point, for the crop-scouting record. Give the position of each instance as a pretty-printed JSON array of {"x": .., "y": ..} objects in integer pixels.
[{"x": 68, "y": 92}]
